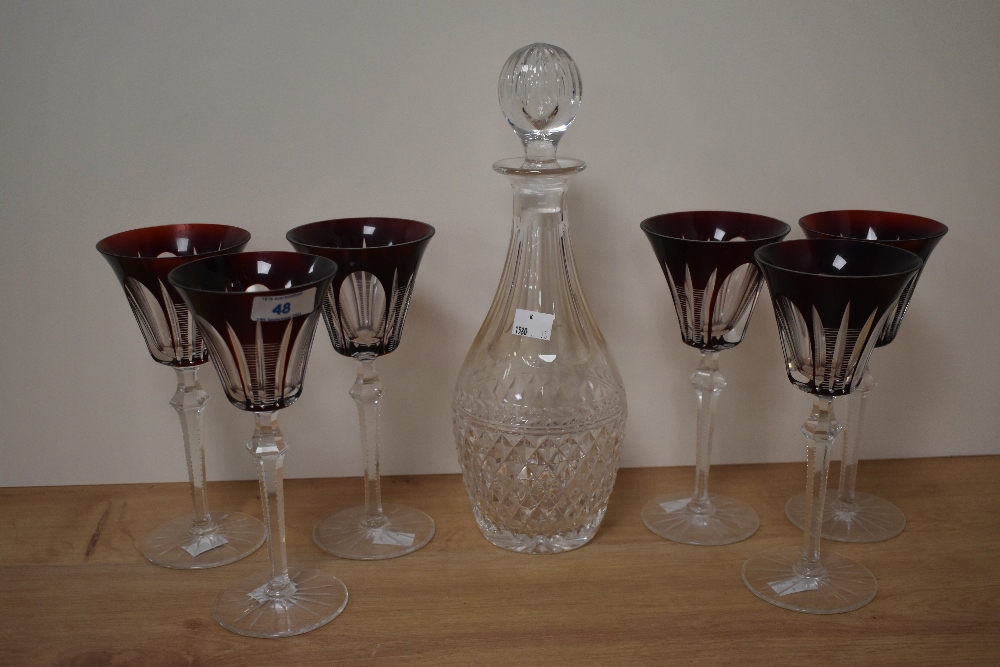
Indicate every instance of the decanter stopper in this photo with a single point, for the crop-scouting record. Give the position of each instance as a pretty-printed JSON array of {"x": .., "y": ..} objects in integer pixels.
[{"x": 540, "y": 92}]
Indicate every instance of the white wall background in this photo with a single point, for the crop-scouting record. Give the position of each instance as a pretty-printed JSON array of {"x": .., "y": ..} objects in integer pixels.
[{"x": 116, "y": 115}]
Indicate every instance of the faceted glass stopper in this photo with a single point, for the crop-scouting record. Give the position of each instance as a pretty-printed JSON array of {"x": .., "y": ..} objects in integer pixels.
[{"x": 540, "y": 91}]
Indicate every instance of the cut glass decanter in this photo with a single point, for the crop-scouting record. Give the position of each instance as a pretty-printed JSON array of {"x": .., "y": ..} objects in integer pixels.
[{"x": 539, "y": 408}]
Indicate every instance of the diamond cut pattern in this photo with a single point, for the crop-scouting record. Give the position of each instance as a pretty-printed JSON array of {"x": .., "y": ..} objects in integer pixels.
[{"x": 539, "y": 485}]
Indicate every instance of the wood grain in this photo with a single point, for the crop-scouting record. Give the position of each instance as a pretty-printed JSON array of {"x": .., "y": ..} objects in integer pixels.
[{"x": 76, "y": 592}]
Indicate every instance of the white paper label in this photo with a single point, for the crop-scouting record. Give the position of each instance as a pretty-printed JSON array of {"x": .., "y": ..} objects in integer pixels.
[
  {"x": 205, "y": 543},
  {"x": 259, "y": 594},
  {"x": 285, "y": 307},
  {"x": 533, "y": 324},
  {"x": 794, "y": 584},
  {"x": 674, "y": 505},
  {"x": 393, "y": 538}
]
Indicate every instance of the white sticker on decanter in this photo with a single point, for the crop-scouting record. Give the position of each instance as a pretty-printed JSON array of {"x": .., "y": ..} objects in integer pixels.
[
  {"x": 393, "y": 538},
  {"x": 795, "y": 584},
  {"x": 674, "y": 505},
  {"x": 205, "y": 543},
  {"x": 533, "y": 324},
  {"x": 285, "y": 307}
]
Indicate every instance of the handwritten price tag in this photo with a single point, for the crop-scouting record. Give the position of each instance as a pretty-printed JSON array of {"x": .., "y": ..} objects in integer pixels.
[
  {"x": 533, "y": 324},
  {"x": 285, "y": 307}
]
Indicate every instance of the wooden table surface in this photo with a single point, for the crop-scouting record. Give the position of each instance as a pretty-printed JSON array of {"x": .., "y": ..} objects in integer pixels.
[{"x": 76, "y": 593}]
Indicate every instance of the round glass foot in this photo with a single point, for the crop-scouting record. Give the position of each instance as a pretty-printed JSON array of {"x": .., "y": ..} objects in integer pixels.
[
  {"x": 868, "y": 519},
  {"x": 672, "y": 517},
  {"x": 312, "y": 598},
  {"x": 345, "y": 533},
  {"x": 175, "y": 545},
  {"x": 775, "y": 578}
]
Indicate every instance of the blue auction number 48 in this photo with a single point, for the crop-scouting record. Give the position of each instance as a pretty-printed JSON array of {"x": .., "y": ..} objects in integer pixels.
[{"x": 282, "y": 308}]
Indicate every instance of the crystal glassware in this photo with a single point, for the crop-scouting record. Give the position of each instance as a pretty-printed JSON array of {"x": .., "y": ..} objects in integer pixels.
[
  {"x": 539, "y": 407},
  {"x": 707, "y": 259},
  {"x": 856, "y": 516},
  {"x": 364, "y": 309},
  {"x": 142, "y": 258},
  {"x": 832, "y": 300},
  {"x": 258, "y": 313}
]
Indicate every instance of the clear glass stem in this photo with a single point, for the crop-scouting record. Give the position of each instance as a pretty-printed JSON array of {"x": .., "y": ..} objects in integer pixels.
[
  {"x": 851, "y": 445},
  {"x": 189, "y": 400},
  {"x": 820, "y": 431},
  {"x": 268, "y": 448},
  {"x": 708, "y": 384},
  {"x": 367, "y": 392}
]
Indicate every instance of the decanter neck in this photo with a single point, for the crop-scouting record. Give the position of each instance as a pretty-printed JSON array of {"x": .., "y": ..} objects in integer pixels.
[
  {"x": 539, "y": 200},
  {"x": 540, "y": 274}
]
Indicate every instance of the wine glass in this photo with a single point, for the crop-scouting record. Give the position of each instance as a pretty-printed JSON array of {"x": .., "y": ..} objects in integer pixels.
[
  {"x": 258, "y": 312},
  {"x": 142, "y": 258},
  {"x": 852, "y": 516},
  {"x": 364, "y": 309},
  {"x": 832, "y": 300},
  {"x": 707, "y": 259}
]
